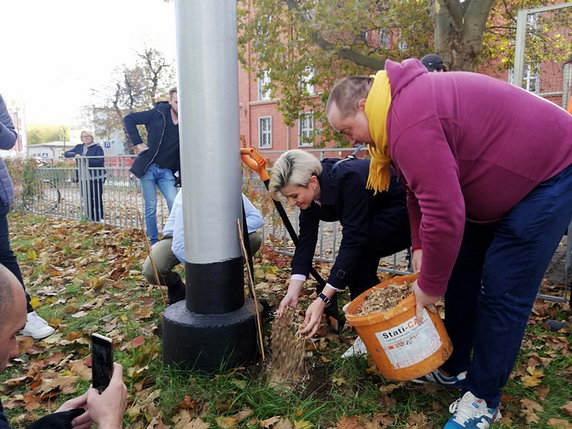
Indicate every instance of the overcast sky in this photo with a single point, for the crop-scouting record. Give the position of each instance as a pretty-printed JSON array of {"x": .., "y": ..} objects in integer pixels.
[{"x": 54, "y": 51}]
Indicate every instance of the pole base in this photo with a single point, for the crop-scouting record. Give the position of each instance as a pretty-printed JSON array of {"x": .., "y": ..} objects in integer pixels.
[{"x": 209, "y": 342}]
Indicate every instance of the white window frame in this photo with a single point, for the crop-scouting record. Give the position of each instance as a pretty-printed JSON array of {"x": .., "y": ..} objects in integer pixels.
[
  {"x": 309, "y": 73},
  {"x": 264, "y": 94},
  {"x": 262, "y": 133},
  {"x": 304, "y": 131}
]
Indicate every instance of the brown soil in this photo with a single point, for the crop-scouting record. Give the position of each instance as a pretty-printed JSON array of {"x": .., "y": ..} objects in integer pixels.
[
  {"x": 384, "y": 299},
  {"x": 287, "y": 360}
]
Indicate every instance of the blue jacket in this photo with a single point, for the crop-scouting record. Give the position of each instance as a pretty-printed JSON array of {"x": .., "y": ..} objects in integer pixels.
[
  {"x": 155, "y": 121},
  {"x": 93, "y": 150},
  {"x": 8, "y": 137}
]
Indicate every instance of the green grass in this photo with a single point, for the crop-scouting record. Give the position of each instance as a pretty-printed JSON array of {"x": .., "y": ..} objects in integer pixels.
[{"x": 109, "y": 295}]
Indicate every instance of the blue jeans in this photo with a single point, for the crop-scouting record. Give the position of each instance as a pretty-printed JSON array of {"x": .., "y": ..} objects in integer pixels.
[
  {"x": 495, "y": 282},
  {"x": 163, "y": 179},
  {"x": 7, "y": 257}
]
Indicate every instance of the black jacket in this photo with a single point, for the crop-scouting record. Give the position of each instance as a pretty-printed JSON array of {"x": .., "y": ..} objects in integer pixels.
[
  {"x": 155, "y": 121},
  {"x": 93, "y": 150},
  {"x": 364, "y": 217}
]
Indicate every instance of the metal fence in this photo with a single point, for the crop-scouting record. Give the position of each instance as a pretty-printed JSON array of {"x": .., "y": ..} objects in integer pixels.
[{"x": 59, "y": 188}]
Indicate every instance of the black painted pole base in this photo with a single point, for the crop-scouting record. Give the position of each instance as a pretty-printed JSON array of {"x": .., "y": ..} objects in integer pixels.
[{"x": 209, "y": 342}]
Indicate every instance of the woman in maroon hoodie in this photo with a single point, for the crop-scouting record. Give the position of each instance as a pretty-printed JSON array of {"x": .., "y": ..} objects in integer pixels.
[{"x": 487, "y": 167}]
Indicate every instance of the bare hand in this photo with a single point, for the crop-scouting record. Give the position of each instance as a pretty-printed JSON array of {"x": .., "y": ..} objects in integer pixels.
[
  {"x": 140, "y": 148},
  {"x": 313, "y": 318},
  {"x": 423, "y": 300},
  {"x": 77, "y": 155},
  {"x": 291, "y": 298},
  {"x": 106, "y": 409},
  {"x": 416, "y": 260}
]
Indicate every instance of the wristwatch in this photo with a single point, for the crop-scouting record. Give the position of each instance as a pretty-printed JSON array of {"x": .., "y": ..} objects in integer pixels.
[{"x": 324, "y": 298}]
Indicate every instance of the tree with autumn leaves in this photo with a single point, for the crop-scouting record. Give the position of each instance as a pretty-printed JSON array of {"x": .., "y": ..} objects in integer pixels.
[{"x": 293, "y": 42}]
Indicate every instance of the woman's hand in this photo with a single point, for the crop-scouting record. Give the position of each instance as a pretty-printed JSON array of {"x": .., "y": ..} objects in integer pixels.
[
  {"x": 313, "y": 318},
  {"x": 77, "y": 155},
  {"x": 423, "y": 300},
  {"x": 416, "y": 260},
  {"x": 292, "y": 296}
]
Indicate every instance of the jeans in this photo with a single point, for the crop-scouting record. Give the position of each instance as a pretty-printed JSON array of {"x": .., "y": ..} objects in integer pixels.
[
  {"x": 495, "y": 281},
  {"x": 163, "y": 178},
  {"x": 7, "y": 257}
]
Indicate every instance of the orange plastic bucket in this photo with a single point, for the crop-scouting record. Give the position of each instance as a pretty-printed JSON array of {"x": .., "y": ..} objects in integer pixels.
[{"x": 401, "y": 348}]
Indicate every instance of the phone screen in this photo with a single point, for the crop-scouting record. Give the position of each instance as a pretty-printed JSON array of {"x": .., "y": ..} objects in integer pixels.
[{"x": 101, "y": 361}]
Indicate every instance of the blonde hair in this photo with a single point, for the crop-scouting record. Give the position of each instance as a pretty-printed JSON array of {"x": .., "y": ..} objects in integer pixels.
[
  {"x": 346, "y": 94},
  {"x": 293, "y": 168},
  {"x": 88, "y": 133}
]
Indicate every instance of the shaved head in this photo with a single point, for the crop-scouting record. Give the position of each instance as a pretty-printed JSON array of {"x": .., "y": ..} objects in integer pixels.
[{"x": 12, "y": 314}]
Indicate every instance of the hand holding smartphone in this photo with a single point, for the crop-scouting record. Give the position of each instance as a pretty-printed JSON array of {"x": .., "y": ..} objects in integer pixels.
[{"x": 101, "y": 361}]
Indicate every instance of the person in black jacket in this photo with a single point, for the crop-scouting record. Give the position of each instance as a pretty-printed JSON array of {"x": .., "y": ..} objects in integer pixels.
[
  {"x": 36, "y": 327},
  {"x": 91, "y": 174},
  {"x": 105, "y": 409},
  {"x": 373, "y": 226},
  {"x": 157, "y": 161}
]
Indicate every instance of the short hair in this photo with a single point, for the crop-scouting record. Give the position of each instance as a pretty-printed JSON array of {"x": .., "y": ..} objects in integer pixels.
[
  {"x": 6, "y": 292},
  {"x": 172, "y": 91},
  {"x": 347, "y": 92},
  {"x": 89, "y": 133},
  {"x": 294, "y": 167}
]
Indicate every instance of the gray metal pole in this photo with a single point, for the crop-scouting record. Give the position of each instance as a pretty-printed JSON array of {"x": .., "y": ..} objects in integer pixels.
[
  {"x": 518, "y": 70},
  {"x": 214, "y": 325}
]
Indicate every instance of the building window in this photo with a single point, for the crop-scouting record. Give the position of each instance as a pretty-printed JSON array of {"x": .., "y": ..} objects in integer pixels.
[
  {"x": 265, "y": 132},
  {"x": 263, "y": 90},
  {"x": 306, "y": 80},
  {"x": 306, "y": 130}
]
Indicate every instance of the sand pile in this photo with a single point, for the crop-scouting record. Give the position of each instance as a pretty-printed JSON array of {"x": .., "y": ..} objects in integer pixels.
[{"x": 287, "y": 359}]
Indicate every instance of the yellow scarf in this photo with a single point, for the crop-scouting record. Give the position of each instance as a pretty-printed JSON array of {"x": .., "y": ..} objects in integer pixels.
[{"x": 376, "y": 108}]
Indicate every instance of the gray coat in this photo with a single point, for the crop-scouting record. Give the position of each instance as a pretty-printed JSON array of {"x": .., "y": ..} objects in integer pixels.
[{"x": 8, "y": 137}]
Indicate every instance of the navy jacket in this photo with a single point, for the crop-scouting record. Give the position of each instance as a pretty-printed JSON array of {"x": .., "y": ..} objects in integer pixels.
[
  {"x": 363, "y": 216},
  {"x": 93, "y": 150},
  {"x": 155, "y": 121},
  {"x": 8, "y": 137}
]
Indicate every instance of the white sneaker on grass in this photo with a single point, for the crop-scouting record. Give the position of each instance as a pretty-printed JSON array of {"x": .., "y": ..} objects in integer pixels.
[
  {"x": 470, "y": 412},
  {"x": 36, "y": 327},
  {"x": 357, "y": 349}
]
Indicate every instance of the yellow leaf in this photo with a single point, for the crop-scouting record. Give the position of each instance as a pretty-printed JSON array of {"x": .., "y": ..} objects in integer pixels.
[
  {"x": 338, "y": 380},
  {"x": 303, "y": 424},
  {"x": 35, "y": 302},
  {"x": 535, "y": 377}
]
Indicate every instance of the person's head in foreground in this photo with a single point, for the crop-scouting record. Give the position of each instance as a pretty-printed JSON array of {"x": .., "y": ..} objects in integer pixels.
[
  {"x": 295, "y": 176},
  {"x": 433, "y": 63}
]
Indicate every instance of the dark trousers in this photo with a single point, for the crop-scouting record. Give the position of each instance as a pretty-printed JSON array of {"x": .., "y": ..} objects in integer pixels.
[
  {"x": 389, "y": 236},
  {"x": 495, "y": 281},
  {"x": 7, "y": 257},
  {"x": 94, "y": 199}
]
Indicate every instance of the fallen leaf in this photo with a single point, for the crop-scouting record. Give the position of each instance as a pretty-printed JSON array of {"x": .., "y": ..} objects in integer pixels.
[
  {"x": 530, "y": 410},
  {"x": 559, "y": 424}
]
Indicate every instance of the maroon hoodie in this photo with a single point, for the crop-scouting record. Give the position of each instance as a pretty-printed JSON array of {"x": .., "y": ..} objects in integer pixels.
[{"x": 469, "y": 147}]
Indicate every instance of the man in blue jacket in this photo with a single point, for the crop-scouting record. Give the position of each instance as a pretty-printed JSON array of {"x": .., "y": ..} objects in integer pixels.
[
  {"x": 36, "y": 327},
  {"x": 157, "y": 161}
]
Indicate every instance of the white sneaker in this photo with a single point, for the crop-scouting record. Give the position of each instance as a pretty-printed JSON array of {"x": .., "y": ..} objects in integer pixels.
[
  {"x": 357, "y": 349},
  {"x": 36, "y": 327}
]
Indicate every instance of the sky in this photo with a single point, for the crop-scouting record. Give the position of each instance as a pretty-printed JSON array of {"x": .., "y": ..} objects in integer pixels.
[{"x": 54, "y": 52}]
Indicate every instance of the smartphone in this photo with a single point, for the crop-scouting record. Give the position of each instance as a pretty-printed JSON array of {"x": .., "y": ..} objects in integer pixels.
[{"x": 101, "y": 361}]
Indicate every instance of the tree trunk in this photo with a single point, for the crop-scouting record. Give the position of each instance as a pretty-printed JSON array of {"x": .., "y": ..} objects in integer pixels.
[{"x": 459, "y": 29}]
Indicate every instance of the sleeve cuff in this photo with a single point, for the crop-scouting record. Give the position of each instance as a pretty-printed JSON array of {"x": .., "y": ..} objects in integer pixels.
[{"x": 301, "y": 277}]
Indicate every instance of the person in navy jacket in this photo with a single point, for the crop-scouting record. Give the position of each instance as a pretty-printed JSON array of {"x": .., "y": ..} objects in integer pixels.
[
  {"x": 374, "y": 226},
  {"x": 91, "y": 174}
]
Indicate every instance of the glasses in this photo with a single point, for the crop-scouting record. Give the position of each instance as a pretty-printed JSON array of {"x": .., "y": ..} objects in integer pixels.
[{"x": 85, "y": 135}]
